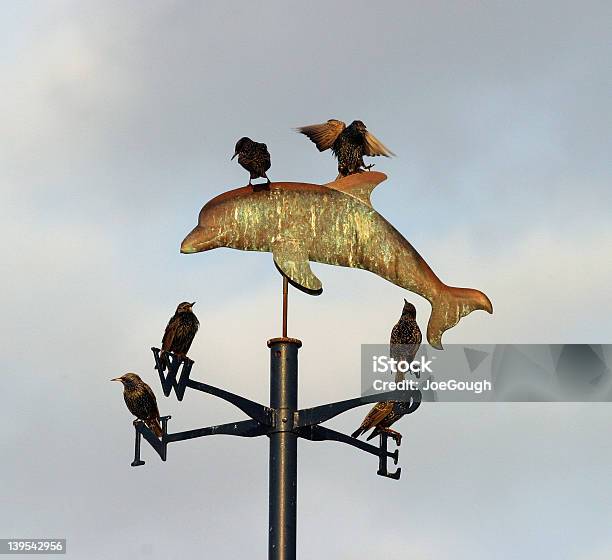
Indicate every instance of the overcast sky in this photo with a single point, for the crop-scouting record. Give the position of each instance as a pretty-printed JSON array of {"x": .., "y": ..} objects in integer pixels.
[{"x": 118, "y": 121}]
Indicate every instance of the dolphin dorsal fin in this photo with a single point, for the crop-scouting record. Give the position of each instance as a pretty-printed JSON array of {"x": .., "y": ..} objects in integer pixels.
[{"x": 359, "y": 185}]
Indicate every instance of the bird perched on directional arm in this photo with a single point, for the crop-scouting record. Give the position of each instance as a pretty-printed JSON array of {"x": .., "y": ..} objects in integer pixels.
[
  {"x": 348, "y": 143},
  {"x": 254, "y": 157},
  {"x": 180, "y": 331},
  {"x": 404, "y": 344},
  {"x": 141, "y": 401}
]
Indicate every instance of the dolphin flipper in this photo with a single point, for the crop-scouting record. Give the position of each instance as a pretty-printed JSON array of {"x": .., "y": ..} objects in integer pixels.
[{"x": 291, "y": 259}]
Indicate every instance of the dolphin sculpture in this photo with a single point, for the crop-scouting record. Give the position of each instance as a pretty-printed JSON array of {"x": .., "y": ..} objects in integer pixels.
[{"x": 332, "y": 224}]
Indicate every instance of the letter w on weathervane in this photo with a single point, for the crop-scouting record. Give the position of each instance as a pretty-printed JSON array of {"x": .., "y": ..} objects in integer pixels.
[{"x": 168, "y": 369}]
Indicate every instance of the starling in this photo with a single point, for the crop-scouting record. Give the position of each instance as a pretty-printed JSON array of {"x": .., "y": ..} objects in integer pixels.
[
  {"x": 348, "y": 143},
  {"x": 140, "y": 400},
  {"x": 381, "y": 417},
  {"x": 405, "y": 338},
  {"x": 404, "y": 344},
  {"x": 254, "y": 157},
  {"x": 180, "y": 331}
]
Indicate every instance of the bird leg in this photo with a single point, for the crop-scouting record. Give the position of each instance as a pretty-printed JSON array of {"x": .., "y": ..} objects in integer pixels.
[
  {"x": 368, "y": 167},
  {"x": 262, "y": 187},
  {"x": 392, "y": 433}
]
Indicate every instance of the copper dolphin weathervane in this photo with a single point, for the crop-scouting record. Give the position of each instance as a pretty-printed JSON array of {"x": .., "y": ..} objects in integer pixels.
[{"x": 332, "y": 224}]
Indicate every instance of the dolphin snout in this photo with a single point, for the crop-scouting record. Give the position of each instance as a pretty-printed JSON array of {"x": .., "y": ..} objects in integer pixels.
[
  {"x": 200, "y": 239},
  {"x": 191, "y": 242},
  {"x": 187, "y": 248}
]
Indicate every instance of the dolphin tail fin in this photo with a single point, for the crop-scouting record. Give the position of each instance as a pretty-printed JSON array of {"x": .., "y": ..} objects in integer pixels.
[{"x": 451, "y": 305}]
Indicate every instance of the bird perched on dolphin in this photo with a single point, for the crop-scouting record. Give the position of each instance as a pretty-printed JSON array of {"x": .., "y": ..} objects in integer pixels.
[
  {"x": 348, "y": 143},
  {"x": 254, "y": 157},
  {"x": 332, "y": 224}
]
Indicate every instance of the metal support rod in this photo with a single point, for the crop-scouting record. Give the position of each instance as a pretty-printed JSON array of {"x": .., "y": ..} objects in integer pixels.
[
  {"x": 285, "y": 304},
  {"x": 283, "y": 449}
]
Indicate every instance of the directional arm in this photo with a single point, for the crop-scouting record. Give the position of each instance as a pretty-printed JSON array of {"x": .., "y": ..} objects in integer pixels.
[
  {"x": 320, "y": 433},
  {"x": 246, "y": 428},
  {"x": 174, "y": 372},
  {"x": 319, "y": 414},
  {"x": 256, "y": 411}
]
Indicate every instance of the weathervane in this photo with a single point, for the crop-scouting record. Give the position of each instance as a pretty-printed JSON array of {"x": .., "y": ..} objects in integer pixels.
[{"x": 298, "y": 223}]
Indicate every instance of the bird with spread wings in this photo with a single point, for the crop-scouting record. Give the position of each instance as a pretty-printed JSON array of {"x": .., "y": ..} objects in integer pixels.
[{"x": 348, "y": 143}]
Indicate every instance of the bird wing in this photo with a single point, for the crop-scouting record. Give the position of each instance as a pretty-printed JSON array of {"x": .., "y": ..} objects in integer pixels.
[
  {"x": 152, "y": 420},
  {"x": 151, "y": 394},
  {"x": 376, "y": 415},
  {"x": 374, "y": 147},
  {"x": 266, "y": 156},
  {"x": 169, "y": 334},
  {"x": 324, "y": 134},
  {"x": 404, "y": 344},
  {"x": 184, "y": 334}
]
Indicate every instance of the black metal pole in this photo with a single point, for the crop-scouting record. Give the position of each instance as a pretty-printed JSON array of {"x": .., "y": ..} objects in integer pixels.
[{"x": 283, "y": 449}]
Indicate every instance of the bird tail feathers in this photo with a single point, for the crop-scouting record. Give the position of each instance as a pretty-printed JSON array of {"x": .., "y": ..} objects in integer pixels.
[
  {"x": 155, "y": 426},
  {"x": 357, "y": 432},
  {"x": 374, "y": 433}
]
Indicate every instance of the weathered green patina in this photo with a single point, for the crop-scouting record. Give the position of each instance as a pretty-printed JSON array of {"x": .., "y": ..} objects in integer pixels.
[{"x": 332, "y": 224}]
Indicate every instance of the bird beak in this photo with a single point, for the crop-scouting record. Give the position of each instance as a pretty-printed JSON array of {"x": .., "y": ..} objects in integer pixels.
[
  {"x": 405, "y": 301},
  {"x": 192, "y": 304},
  {"x": 116, "y": 379},
  {"x": 234, "y": 156}
]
